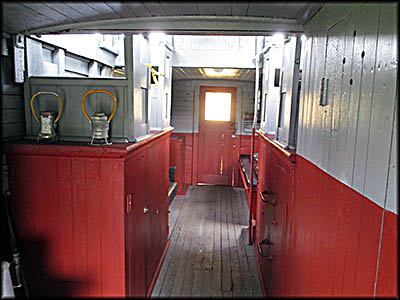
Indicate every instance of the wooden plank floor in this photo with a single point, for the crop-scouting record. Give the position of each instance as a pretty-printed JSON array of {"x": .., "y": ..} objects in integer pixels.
[{"x": 209, "y": 255}]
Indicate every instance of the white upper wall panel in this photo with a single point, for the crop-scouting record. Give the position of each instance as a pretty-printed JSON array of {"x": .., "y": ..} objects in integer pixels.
[
  {"x": 214, "y": 51},
  {"x": 353, "y": 137}
]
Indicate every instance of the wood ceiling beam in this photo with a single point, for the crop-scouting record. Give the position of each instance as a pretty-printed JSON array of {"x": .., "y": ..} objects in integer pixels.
[{"x": 180, "y": 25}]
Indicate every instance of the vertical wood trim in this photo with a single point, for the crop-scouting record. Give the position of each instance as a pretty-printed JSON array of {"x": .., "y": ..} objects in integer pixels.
[
  {"x": 112, "y": 226},
  {"x": 381, "y": 121},
  {"x": 341, "y": 108},
  {"x": 334, "y": 73},
  {"x": 391, "y": 203},
  {"x": 64, "y": 180},
  {"x": 309, "y": 76},
  {"x": 365, "y": 102},
  {"x": 79, "y": 225},
  {"x": 92, "y": 167},
  {"x": 354, "y": 97},
  {"x": 317, "y": 111},
  {"x": 50, "y": 211}
]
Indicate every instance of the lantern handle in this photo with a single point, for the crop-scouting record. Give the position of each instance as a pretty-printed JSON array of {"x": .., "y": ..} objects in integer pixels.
[
  {"x": 99, "y": 91},
  {"x": 60, "y": 107}
]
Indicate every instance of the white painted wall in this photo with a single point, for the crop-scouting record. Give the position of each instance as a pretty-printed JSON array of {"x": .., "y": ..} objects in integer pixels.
[
  {"x": 160, "y": 93},
  {"x": 217, "y": 52},
  {"x": 354, "y": 137},
  {"x": 185, "y": 103}
]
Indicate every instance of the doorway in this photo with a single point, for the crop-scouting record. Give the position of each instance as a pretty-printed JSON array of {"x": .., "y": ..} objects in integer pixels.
[{"x": 216, "y": 127}]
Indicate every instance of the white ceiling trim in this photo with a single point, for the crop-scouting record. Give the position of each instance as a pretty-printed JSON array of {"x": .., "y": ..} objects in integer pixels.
[{"x": 180, "y": 25}]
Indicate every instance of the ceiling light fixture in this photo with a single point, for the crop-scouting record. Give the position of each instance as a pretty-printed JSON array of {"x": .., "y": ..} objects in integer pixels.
[
  {"x": 219, "y": 72},
  {"x": 278, "y": 39}
]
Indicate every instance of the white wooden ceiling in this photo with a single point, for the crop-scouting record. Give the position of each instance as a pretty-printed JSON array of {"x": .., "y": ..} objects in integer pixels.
[{"x": 44, "y": 17}]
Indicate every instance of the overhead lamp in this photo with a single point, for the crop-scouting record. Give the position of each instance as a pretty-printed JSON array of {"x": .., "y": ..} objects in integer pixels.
[
  {"x": 278, "y": 38},
  {"x": 157, "y": 35},
  {"x": 219, "y": 72}
]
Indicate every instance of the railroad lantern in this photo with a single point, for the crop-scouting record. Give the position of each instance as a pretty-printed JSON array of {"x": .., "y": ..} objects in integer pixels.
[
  {"x": 99, "y": 124},
  {"x": 47, "y": 119}
]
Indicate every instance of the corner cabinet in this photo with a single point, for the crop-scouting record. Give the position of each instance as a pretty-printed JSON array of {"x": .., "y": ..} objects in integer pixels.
[{"x": 92, "y": 221}]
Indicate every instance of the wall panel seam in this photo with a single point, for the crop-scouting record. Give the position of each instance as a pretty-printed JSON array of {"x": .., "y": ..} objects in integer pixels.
[
  {"x": 384, "y": 205},
  {"x": 358, "y": 103},
  {"x": 372, "y": 96}
]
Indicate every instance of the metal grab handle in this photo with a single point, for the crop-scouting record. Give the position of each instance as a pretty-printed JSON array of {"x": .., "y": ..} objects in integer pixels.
[
  {"x": 263, "y": 242},
  {"x": 48, "y": 93},
  {"x": 99, "y": 91},
  {"x": 268, "y": 201}
]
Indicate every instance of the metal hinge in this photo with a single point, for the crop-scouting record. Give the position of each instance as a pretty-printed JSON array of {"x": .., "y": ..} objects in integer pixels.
[{"x": 129, "y": 200}]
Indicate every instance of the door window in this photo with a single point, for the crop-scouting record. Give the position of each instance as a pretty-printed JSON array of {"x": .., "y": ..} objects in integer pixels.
[{"x": 218, "y": 106}]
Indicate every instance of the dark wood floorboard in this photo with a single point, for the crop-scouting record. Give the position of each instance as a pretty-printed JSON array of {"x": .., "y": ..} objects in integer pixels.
[{"x": 209, "y": 255}]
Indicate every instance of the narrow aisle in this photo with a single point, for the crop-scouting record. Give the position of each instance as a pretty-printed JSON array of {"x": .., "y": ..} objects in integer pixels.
[{"x": 209, "y": 254}]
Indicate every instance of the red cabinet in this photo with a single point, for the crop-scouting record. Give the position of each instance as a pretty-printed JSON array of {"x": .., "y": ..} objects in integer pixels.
[
  {"x": 276, "y": 182},
  {"x": 92, "y": 221}
]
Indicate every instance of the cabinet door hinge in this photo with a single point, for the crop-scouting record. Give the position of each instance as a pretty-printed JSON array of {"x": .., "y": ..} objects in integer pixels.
[{"x": 129, "y": 200}]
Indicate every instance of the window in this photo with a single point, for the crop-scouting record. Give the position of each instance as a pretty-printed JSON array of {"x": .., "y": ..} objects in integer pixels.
[
  {"x": 218, "y": 106},
  {"x": 72, "y": 55}
]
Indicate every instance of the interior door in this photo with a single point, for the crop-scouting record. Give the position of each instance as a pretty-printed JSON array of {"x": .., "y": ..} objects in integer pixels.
[{"x": 216, "y": 128}]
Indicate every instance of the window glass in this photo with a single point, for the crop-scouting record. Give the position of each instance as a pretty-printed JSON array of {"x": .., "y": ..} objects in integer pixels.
[{"x": 218, "y": 106}]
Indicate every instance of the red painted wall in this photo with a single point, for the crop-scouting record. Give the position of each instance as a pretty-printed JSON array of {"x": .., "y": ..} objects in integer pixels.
[
  {"x": 188, "y": 141},
  {"x": 388, "y": 266},
  {"x": 329, "y": 241},
  {"x": 242, "y": 143}
]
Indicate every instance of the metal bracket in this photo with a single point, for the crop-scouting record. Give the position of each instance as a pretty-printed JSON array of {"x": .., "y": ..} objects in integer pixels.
[
  {"x": 264, "y": 242},
  {"x": 323, "y": 94}
]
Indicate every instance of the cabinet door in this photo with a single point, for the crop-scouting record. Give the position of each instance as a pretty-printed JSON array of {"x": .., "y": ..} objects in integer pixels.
[
  {"x": 281, "y": 188},
  {"x": 156, "y": 201},
  {"x": 275, "y": 174},
  {"x": 150, "y": 216},
  {"x": 135, "y": 226}
]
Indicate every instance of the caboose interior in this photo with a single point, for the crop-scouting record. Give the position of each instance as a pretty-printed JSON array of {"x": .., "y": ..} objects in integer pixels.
[{"x": 238, "y": 151}]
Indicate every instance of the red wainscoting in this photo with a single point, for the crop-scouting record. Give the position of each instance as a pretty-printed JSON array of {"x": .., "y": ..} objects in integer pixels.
[
  {"x": 80, "y": 235},
  {"x": 190, "y": 142},
  {"x": 326, "y": 235},
  {"x": 177, "y": 159},
  {"x": 275, "y": 174},
  {"x": 388, "y": 266}
]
